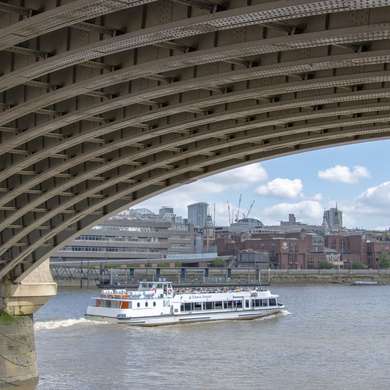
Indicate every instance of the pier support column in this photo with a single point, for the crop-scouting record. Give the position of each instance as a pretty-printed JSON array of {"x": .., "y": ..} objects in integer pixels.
[
  {"x": 18, "y": 365},
  {"x": 18, "y": 302}
]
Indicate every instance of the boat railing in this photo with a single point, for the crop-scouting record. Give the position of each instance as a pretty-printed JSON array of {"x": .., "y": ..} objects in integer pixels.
[{"x": 210, "y": 290}]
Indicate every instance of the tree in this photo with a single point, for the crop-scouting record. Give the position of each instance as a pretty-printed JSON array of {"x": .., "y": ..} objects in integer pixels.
[
  {"x": 218, "y": 262},
  {"x": 323, "y": 264},
  {"x": 384, "y": 260},
  {"x": 358, "y": 265}
]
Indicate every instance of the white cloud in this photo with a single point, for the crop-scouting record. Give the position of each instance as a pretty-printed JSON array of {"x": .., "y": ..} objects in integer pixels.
[
  {"x": 317, "y": 196},
  {"x": 284, "y": 188},
  {"x": 344, "y": 174},
  {"x": 244, "y": 175},
  {"x": 370, "y": 209},
  {"x": 378, "y": 196},
  {"x": 308, "y": 211}
]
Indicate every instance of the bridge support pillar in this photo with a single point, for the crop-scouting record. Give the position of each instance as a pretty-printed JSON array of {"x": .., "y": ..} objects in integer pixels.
[{"x": 18, "y": 302}]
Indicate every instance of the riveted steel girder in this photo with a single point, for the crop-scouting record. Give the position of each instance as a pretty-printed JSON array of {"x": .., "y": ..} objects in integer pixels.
[{"x": 97, "y": 117}]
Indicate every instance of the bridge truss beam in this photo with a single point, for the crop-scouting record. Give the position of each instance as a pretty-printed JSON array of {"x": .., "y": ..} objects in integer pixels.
[{"x": 107, "y": 103}]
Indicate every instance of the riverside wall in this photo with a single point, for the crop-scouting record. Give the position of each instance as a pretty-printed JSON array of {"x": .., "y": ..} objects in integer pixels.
[
  {"x": 90, "y": 277},
  {"x": 329, "y": 276}
]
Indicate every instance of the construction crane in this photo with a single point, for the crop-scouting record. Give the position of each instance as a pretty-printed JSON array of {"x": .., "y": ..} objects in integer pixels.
[
  {"x": 228, "y": 206},
  {"x": 250, "y": 209},
  {"x": 239, "y": 206}
]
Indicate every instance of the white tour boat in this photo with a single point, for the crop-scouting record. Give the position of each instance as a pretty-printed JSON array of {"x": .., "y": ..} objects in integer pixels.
[{"x": 156, "y": 303}]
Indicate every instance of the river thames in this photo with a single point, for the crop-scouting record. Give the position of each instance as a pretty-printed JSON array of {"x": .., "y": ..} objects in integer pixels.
[{"x": 332, "y": 337}]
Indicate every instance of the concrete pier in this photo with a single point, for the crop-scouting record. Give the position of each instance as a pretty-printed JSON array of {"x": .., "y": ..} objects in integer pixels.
[
  {"x": 18, "y": 302},
  {"x": 18, "y": 364}
]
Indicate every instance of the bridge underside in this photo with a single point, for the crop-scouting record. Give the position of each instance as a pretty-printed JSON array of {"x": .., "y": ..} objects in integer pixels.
[{"x": 104, "y": 103}]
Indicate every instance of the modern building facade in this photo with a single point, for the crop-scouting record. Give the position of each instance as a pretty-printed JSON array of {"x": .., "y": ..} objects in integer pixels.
[
  {"x": 166, "y": 212},
  {"x": 138, "y": 235},
  {"x": 245, "y": 225},
  {"x": 252, "y": 258},
  {"x": 197, "y": 214}
]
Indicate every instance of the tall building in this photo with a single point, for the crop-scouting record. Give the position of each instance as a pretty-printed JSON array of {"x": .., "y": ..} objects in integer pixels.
[
  {"x": 164, "y": 210},
  {"x": 333, "y": 219},
  {"x": 197, "y": 214}
]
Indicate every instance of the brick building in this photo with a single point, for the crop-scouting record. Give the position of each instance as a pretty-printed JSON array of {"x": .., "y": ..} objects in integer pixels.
[
  {"x": 301, "y": 250},
  {"x": 285, "y": 251},
  {"x": 374, "y": 252},
  {"x": 352, "y": 248}
]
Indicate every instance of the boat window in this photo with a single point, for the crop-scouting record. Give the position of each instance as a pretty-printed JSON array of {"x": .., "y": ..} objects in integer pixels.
[
  {"x": 198, "y": 306},
  {"x": 264, "y": 302},
  {"x": 116, "y": 304},
  {"x": 187, "y": 307},
  {"x": 182, "y": 307},
  {"x": 218, "y": 305},
  {"x": 247, "y": 303},
  {"x": 154, "y": 303},
  {"x": 146, "y": 304},
  {"x": 272, "y": 302},
  {"x": 138, "y": 304},
  {"x": 238, "y": 304},
  {"x": 208, "y": 305}
]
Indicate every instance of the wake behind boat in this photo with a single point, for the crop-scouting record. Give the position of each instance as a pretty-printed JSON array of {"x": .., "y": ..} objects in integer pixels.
[{"x": 156, "y": 303}]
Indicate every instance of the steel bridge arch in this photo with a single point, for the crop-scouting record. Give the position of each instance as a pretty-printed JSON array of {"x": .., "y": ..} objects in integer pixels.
[{"x": 106, "y": 103}]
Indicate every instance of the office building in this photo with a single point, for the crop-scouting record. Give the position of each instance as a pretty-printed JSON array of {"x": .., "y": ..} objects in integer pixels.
[
  {"x": 134, "y": 235},
  {"x": 197, "y": 214}
]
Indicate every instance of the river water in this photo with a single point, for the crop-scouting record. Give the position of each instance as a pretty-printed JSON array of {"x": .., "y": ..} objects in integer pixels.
[{"x": 332, "y": 337}]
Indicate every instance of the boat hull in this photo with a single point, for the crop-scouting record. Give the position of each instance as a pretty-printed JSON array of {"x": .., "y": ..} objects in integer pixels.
[{"x": 190, "y": 318}]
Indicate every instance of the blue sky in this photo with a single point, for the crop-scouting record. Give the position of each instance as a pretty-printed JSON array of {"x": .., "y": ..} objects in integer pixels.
[{"x": 357, "y": 177}]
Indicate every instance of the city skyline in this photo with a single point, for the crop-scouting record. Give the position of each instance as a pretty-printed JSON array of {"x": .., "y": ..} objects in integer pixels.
[{"x": 304, "y": 184}]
